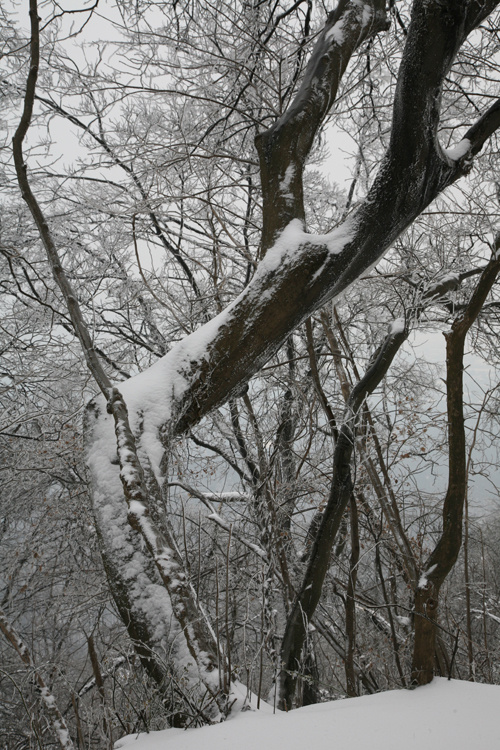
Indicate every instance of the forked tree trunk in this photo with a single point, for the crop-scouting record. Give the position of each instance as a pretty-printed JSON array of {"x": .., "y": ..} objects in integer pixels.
[
  {"x": 299, "y": 273},
  {"x": 311, "y": 587}
]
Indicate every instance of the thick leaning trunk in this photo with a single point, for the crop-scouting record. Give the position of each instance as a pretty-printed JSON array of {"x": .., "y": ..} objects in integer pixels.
[
  {"x": 145, "y": 571},
  {"x": 190, "y": 392},
  {"x": 300, "y": 272}
]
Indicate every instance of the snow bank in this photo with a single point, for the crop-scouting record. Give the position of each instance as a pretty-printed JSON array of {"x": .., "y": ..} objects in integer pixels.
[{"x": 444, "y": 715}]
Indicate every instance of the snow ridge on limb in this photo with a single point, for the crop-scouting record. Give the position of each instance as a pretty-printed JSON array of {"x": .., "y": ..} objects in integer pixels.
[
  {"x": 147, "y": 579},
  {"x": 412, "y": 174},
  {"x": 160, "y": 547}
]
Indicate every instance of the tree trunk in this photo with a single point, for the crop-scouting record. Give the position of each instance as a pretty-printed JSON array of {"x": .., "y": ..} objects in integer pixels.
[
  {"x": 445, "y": 553},
  {"x": 298, "y": 274}
]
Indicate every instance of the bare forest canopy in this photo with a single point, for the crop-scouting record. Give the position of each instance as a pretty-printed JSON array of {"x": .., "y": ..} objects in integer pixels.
[{"x": 229, "y": 456}]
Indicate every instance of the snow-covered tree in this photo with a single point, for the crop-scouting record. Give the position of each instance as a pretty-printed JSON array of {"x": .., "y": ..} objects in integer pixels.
[{"x": 189, "y": 244}]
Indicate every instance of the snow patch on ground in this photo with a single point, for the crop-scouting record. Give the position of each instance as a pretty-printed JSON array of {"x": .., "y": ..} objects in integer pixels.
[{"x": 440, "y": 716}]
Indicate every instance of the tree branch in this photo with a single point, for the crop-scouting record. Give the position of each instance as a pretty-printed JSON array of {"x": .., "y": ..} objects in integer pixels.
[
  {"x": 284, "y": 148},
  {"x": 59, "y": 726}
]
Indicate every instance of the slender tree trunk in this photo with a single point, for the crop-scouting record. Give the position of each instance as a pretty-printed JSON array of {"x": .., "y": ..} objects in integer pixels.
[
  {"x": 94, "y": 660},
  {"x": 340, "y": 492},
  {"x": 350, "y": 604},
  {"x": 445, "y": 553},
  {"x": 468, "y": 613}
]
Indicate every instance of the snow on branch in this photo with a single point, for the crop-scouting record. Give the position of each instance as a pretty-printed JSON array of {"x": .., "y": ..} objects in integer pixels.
[{"x": 206, "y": 499}]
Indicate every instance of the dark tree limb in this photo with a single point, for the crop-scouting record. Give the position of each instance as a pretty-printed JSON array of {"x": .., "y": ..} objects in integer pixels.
[
  {"x": 17, "y": 148},
  {"x": 284, "y": 148},
  {"x": 301, "y": 272},
  {"x": 340, "y": 492},
  {"x": 484, "y": 128},
  {"x": 350, "y": 603}
]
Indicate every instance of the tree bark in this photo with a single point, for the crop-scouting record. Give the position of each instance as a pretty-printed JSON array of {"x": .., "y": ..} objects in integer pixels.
[
  {"x": 340, "y": 492},
  {"x": 300, "y": 272},
  {"x": 284, "y": 148},
  {"x": 350, "y": 604},
  {"x": 141, "y": 561},
  {"x": 303, "y": 271}
]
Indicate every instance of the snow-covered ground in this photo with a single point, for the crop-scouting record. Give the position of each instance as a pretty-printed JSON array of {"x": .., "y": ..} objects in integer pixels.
[{"x": 445, "y": 715}]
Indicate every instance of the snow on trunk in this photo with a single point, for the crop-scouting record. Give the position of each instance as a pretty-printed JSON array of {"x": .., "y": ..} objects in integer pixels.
[
  {"x": 146, "y": 577},
  {"x": 125, "y": 441},
  {"x": 47, "y": 699}
]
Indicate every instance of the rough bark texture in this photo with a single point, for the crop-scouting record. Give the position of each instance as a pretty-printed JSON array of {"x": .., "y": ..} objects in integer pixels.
[
  {"x": 306, "y": 272},
  {"x": 284, "y": 148}
]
